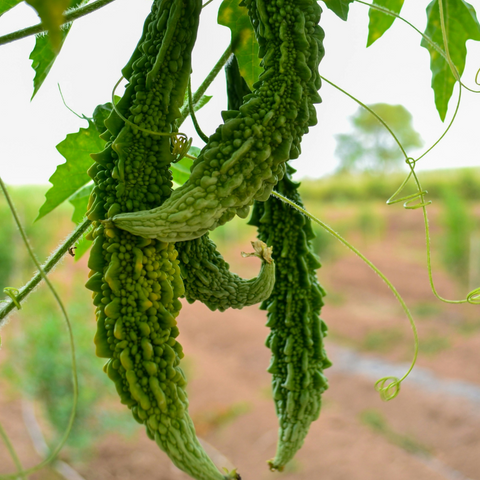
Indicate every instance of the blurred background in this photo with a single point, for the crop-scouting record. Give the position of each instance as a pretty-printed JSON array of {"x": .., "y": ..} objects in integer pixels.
[{"x": 430, "y": 431}]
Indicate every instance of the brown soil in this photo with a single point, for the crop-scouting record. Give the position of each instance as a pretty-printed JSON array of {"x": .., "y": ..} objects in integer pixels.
[{"x": 423, "y": 436}]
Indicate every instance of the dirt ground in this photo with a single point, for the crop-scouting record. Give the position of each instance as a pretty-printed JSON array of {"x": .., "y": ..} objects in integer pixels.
[{"x": 418, "y": 435}]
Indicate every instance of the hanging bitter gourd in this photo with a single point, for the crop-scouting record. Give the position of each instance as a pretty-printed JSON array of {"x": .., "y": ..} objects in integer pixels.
[
  {"x": 135, "y": 281},
  {"x": 207, "y": 277},
  {"x": 245, "y": 157},
  {"x": 297, "y": 332}
]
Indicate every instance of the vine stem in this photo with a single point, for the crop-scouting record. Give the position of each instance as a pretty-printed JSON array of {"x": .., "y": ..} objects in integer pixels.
[
  {"x": 7, "y": 306},
  {"x": 64, "y": 438},
  {"x": 192, "y": 112},
  {"x": 12, "y": 451},
  {"x": 184, "y": 112},
  {"x": 69, "y": 17}
]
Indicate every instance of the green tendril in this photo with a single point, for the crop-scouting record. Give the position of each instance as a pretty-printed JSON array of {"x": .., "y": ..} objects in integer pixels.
[
  {"x": 13, "y": 453},
  {"x": 12, "y": 293},
  {"x": 473, "y": 297},
  {"x": 180, "y": 142},
  {"x": 390, "y": 390},
  {"x": 63, "y": 440},
  {"x": 192, "y": 113},
  {"x": 82, "y": 117}
]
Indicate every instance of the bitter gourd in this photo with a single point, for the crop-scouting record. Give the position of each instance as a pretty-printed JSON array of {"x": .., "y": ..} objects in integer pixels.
[
  {"x": 245, "y": 157},
  {"x": 135, "y": 281},
  {"x": 207, "y": 277},
  {"x": 297, "y": 332}
]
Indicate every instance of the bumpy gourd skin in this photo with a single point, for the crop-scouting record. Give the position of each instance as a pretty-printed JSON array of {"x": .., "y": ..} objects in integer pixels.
[
  {"x": 136, "y": 282},
  {"x": 207, "y": 277},
  {"x": 297, "y": 333},
  {"x": 245, "y": 157}
]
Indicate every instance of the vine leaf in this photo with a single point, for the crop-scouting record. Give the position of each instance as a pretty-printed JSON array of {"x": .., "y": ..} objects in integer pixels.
[
  {"x": 82, "y": 246},
  {"x": 181, "y": 169},
  {"x": 70, "y": 176},
  {"x": 244, "y": 43},
  {"x": 380, "y": 22},
  {"x": 45, "y": 53},
  {"x": 79, "y": 200},
  {"x": 461, "y": 24},
  {"x": 51, "y": 12},
  {"x": 339, "y": 7},
  {"x": 6, "y": 5}
]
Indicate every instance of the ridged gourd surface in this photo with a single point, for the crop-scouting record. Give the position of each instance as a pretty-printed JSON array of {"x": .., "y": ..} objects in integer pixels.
[
  {"x": 246, "y": 156},
  {"x": 297, "y": 332},
  {"x": 207, "y": 277},
  {"x": 136, "y": 282}
]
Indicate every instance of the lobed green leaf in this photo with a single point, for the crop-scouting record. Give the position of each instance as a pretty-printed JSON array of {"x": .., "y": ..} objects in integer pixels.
[
  {"x": 461, "y": 24},
  {"x": 51, "y": 12},
  {"x": 79, "y": 200},
  {"x": 6, "y": 5},
  {"x": 181, "y": 169},
  {"x": 339, "y": 7},
  {"x": 380, "y": 22},
  {"x": 46, "y": 50},
  {"x": 244, "y": 43},
  {"x": 70, "y": 176}
]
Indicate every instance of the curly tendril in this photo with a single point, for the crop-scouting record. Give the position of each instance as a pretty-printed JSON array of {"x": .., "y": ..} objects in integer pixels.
[
  {"x": 472, "y": 297},
  {"x": 56, "y": 451},
  {"x": 180, "y": 142},
  {"x": 387, "y": 390}
]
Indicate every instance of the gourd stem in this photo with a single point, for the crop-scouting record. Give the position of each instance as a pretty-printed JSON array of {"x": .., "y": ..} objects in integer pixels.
[
  {"x": 39, "y": 28},
  {"x": 7, "y": 306},
  {"x": 184, "y": 112}
]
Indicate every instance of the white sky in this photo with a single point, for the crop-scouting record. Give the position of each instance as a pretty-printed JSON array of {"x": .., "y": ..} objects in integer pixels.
[{"x": 394, "y": 70}]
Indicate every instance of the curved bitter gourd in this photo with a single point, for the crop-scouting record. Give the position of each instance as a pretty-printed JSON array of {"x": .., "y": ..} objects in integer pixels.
[
  {"x": 207, "y": 277},
  {"x": 245, "y": 157},
  {"x": 135, "y": 281},
  {"x": 296, "y": 337}
]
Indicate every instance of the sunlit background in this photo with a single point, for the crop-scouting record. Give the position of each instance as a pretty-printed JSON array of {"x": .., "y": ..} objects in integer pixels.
[{"x": 430, "y": 432}]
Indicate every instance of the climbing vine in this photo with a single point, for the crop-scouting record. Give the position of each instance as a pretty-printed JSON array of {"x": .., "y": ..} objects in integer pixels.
[{"x": 145, "y": 200}]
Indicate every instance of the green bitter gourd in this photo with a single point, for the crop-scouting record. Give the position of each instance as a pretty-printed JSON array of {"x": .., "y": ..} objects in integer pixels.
[
  {"x": 297, "y": 332},
  {"x": 245, "y": 157},
  {"x": 135, "y": 281},
  {"x": 207, "y": 277}
]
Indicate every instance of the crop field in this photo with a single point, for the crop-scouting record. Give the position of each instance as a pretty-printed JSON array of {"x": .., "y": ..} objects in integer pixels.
[{"x": 430, "y": 431}]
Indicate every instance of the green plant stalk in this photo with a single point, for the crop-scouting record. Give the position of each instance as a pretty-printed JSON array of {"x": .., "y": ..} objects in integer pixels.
[
  {"x": 12, "y": 451},
  {"x": 62, "y": 442},
  {"x": 192, "y": 112},
  {"x": 39, "y": 28},
  {"x": 7, "y": 306},
  {"x": 184, "y": 111}
]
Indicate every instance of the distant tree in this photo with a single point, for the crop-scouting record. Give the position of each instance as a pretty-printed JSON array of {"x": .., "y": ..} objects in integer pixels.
[{"x": 369, "y": 146}]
